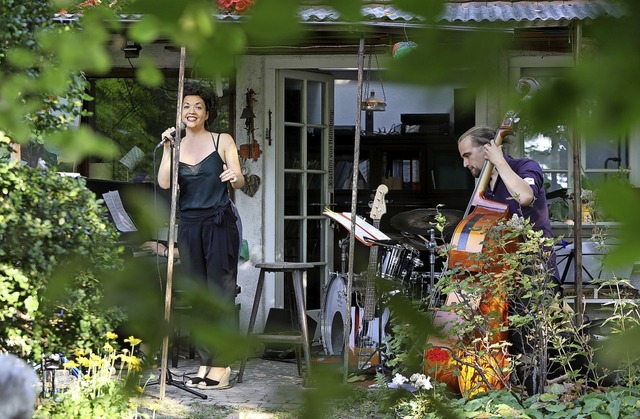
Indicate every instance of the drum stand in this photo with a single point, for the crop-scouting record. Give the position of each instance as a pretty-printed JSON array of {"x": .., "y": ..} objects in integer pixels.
[
  {"x": 431, "y": 245},
  {"x": 344, "y": 244}
]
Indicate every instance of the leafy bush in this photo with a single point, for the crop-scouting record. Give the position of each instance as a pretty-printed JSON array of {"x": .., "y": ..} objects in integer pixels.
[
  {"x": 56, "y": 247},
  {"x": 613, "y": 403}
]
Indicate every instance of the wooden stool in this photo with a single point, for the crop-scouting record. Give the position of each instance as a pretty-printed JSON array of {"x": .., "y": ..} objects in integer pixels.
[{"x": 297, "y": 271}]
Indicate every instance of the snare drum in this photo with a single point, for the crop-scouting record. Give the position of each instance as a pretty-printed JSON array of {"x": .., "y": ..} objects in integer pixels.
[{"x": 399, "y": 261}]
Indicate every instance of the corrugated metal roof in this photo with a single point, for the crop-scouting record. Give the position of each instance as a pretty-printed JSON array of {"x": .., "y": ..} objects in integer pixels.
[
  {"x": 481, "y": 11},
  {"x": 529, "y": 11},
  {"x": 522, "y": 13}
]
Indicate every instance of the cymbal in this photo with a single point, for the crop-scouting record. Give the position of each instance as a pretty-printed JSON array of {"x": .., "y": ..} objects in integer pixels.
[{"x": 422, "y": 220}]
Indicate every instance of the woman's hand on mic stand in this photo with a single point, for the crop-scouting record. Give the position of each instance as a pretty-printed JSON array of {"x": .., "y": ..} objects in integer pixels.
[{"x": 168, "y": 136}]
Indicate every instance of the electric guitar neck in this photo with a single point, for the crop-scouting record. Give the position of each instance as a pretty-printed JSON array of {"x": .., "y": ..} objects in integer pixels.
[{"x": 378, "y": 209}]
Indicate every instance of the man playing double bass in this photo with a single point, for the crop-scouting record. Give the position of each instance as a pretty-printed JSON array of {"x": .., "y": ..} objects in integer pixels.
[{"x": 518, "y": 183}]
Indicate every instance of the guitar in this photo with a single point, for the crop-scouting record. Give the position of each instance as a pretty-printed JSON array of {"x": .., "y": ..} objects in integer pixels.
[{"x": 366, "y": 328}]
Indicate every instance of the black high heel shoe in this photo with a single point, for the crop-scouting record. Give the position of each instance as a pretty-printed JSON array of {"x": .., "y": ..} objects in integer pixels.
[
  {"x": 194, "y": 382},
  {"x": 209, "y": 384}
]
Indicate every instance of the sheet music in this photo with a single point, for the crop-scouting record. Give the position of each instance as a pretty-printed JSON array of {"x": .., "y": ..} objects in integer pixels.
[
  {"x": 123, "y": 222},
  {"x": 364, "y": 230}
]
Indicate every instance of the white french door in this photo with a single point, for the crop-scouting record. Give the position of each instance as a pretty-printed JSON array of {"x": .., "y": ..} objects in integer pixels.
[{"x": 305, "y": 124}]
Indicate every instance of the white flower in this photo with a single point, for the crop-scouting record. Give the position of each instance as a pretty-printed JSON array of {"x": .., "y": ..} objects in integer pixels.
[
  {"x": 516, "y": 222},
  {"x": 423, "y": 383},
  {"x": 399, "y": 379}
]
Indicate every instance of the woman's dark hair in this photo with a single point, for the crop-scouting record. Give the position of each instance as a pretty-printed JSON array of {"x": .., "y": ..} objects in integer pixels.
[{"x": 210, "y": 99}]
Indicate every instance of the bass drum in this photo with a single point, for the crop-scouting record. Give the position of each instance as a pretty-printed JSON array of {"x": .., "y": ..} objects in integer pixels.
[{"x": 333, "y": 314}]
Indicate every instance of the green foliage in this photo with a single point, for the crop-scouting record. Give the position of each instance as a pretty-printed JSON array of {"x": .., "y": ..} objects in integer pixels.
[
  {"x": 623, "y": 317},
  {"x": 613, "y": 403},
  {"x": 79, "y": 317},
  {"x": 40, "y": 67},
  {"x": 52, "y": 224}
]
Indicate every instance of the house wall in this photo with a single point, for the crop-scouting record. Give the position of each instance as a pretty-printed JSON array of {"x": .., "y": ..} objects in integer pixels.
[{"x": 250, "y": 75}]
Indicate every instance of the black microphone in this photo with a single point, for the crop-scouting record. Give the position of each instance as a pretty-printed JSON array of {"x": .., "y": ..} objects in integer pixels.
[{"x": 173, "y": 135}]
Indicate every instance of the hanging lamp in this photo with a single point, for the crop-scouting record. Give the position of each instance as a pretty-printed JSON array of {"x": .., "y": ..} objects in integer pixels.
[{"x": 371, "y": 102}]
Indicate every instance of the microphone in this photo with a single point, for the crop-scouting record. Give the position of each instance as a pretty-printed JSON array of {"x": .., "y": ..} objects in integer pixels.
[{"x": 173, "y": 135}]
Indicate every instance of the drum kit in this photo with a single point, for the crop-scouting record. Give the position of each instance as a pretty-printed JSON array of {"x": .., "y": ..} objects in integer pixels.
[{"x": 400, "y": 263}]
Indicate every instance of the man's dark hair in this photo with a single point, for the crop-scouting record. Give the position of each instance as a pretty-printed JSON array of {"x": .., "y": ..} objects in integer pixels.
[{"x": 480, "y": 135}]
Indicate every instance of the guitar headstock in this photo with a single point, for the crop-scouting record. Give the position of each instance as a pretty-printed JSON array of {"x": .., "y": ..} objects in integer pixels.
[{"x": 379, "y": 208}]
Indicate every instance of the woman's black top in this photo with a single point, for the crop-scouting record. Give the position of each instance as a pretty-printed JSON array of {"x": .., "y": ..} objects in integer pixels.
[{"x": 200, "y": 184}]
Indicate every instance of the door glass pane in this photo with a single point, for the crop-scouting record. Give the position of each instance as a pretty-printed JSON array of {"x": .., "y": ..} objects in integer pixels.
[
  {"x": 605, "y": 153},
  {"x": 315, "y": 102},
  {"x": 292, "y": 149},
  {"x": 556, "y": 180},
  {"x": 292, "y": 238},
  {"x": 315, "y": 243},
  {"x": 314, "y": 148},
  {"x": 315, "y": 206},
  {"x": 344, "y": 170},
  {"x": 293, "y": 100},
  {"x": 292, "y": 205},
  {"x": 549, "y": 149}
]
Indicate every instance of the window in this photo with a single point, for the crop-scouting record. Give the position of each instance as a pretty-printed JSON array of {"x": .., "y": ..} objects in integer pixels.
[{"x": 601, "y": 157}]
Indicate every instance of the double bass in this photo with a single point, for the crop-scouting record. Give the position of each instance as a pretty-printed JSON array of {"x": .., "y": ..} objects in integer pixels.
[{"x": 484, "y": 365}]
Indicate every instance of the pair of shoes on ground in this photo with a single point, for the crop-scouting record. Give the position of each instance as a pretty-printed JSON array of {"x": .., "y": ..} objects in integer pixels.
[{"x": 204, "y": 383}]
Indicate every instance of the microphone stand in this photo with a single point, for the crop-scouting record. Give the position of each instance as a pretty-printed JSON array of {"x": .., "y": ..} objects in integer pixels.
[{"x": 165, "y": 375}]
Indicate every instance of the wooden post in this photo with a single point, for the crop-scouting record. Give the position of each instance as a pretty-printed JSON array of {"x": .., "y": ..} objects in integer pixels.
[
  {"x": 175, "y": 159},
  {"x": 354, "y": 202},
  {"x": 577, "y": 189}
]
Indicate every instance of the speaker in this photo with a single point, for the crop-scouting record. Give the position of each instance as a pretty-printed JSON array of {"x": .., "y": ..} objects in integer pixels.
[{"x": 281, "y": 321}]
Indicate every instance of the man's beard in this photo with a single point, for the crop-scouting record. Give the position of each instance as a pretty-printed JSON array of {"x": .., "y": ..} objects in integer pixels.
[{"x": 475, "y": 172}]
